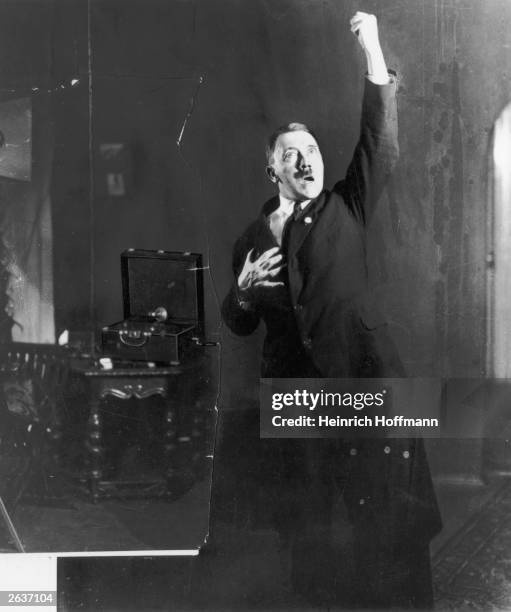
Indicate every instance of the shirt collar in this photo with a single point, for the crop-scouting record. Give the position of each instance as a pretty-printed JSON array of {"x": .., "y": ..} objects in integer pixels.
[{"x": 288, "y": 205}]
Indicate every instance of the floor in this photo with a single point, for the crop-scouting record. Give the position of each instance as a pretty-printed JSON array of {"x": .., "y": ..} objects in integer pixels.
[
  {"x": 56, "y": 512},
  {"x": 76, "y": 524},
  {"x": 471, "y": 564},
  {"x": 471, "y": 558},
  {"x": 472, "y": 567}
]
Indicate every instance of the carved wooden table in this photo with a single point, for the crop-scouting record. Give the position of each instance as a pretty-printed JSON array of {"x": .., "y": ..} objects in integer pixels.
[{"x": 140, "y": 382}]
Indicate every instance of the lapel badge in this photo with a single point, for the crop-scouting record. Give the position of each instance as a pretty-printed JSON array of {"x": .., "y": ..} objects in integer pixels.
[{"x": 307, "y": 220}]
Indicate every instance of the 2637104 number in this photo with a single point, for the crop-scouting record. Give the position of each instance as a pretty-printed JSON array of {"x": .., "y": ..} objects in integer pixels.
[{"x": 31, "y": 597}]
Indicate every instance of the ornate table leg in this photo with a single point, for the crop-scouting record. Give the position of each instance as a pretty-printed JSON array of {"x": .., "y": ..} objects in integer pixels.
[{"x": 95, "y": 449}]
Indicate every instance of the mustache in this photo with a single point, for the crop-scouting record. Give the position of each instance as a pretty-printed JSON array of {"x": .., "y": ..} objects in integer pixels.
[{"x": 308, "y": 175}]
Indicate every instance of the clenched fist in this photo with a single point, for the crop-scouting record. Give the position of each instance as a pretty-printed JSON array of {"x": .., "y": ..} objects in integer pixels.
[{"x": 365, "y": 27}]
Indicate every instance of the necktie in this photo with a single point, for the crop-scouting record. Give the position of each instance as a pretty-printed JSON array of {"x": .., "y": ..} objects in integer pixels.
[{"x": 292, "y": 218}]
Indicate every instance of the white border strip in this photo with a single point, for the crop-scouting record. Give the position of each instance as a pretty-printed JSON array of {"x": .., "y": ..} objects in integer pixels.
[{"x": 110, "y": 553}]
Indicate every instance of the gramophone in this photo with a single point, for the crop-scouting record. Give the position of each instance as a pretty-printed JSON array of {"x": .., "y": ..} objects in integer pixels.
[{"x": 163, "y": 307}]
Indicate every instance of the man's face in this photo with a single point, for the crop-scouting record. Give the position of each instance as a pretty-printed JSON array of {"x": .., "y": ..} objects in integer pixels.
[{"x": 297, "y": 166}]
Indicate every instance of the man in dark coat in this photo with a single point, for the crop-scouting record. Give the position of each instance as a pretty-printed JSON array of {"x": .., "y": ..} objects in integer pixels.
[{"x": 301, "y": 269}]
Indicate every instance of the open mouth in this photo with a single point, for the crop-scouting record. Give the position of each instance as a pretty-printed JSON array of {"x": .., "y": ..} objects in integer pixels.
[{"x": 308, "y": 178}]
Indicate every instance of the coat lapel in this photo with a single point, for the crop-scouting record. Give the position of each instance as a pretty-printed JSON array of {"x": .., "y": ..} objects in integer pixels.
[
  {"x": 264, "y": 238},
  {"x": 300, "y": 229}
]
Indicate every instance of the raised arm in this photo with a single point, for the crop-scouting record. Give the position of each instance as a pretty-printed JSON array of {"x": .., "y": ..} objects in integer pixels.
[{"x": 377, "y": 150}]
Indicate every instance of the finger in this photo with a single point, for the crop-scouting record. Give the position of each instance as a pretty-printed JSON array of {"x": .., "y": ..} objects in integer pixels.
[
  {"x": 363, "y": 18},
  {"x": 269, "y": 284},
  {"x": 278, "y": 264},
  {"x": 269, "y": 263},
  {"x": 271, "y": 251},
  {"x": 273, "y": 260},
  {"x": 274, "y": 271},
  {"x": 248, "y": 258},
  {"x": 264, "y": 263},
  {"x": 268, "y": 253}
]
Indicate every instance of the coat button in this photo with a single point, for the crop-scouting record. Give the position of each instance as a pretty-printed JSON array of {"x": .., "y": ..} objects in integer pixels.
[
  {"x": 353, "y": 451},
  {"x": 307, "y": 220},
  {"x": 307, "y": 342},
  {"x": 406, "y": 454},
  {"x": 386, "y": 450},
  {"x": 362, "y": 501}
]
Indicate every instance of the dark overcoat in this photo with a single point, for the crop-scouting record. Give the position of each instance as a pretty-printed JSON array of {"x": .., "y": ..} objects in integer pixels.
[{"x": 322, "y": 322}]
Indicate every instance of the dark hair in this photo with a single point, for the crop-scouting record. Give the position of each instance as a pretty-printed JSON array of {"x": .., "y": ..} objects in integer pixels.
[{"x": 284, "y": 129}]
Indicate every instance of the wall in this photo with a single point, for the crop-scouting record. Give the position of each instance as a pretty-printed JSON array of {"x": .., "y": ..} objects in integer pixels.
[
  {"x": 71, "y": 191},
  {"x": 264, "y": 63}
]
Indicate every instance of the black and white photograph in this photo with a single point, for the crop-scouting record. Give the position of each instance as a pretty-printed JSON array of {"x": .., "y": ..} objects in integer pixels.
[{"x": 255, "y": 350}]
